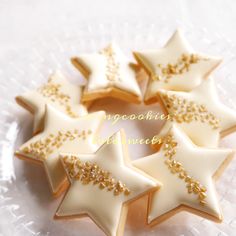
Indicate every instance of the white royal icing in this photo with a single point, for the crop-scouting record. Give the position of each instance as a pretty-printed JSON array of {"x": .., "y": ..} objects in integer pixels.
[
  {"x": 202, "y": 133},
  {"x": 55, "y": 122},
  {"x": 199, "y": 163},
  {"x": 36, "y": 101},
  {"x": 102, "y": 205},
  {"x": 170, "y": 54}
]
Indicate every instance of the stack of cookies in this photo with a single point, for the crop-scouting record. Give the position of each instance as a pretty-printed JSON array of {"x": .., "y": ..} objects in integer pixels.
[{"x": 100, "y": 181}]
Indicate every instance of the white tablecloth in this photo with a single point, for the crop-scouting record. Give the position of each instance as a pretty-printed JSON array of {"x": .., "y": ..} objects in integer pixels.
[{"x": 22, "y": 21}]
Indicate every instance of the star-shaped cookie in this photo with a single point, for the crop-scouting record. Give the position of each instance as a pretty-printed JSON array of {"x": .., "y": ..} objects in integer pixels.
[
  {"x": 102, "y": 185},
  {"x": 57, "y": 92},
  {"x": 186, "y": 172},
  {"x": 61, "y": 134},
  {"x": 175, "y": 67},
  {"x": 109, "y": 74},
  {"x": 199, "y": 113}
]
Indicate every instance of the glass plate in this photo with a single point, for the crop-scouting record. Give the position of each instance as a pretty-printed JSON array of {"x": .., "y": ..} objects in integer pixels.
[{"x": 26, "y": 205}]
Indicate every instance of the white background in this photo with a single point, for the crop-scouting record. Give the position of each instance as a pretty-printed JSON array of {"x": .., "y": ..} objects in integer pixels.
[{"x": 22, "y": 21}]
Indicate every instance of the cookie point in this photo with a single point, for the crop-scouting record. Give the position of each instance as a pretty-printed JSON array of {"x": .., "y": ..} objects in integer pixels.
[{"x": 56, "y": 216}]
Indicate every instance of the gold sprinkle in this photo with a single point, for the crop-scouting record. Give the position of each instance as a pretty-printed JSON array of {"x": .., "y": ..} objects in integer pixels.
[
  {"x": 42, "y": 148},
  {"x": 112, "y": 67},
  {"x": 91, "y": 173},
  {"x": 52, "y": 91},
  {"x": 182, "y": 66},
  {"x": 193, "y": 186},
  {"x": 189, "y": 111}
]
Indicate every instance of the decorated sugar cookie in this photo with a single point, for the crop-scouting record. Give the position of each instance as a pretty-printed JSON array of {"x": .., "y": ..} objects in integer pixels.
[
  {"x": 109, "y": 74},
  {"x": 198, "y": 113},
  {"x": 61, "y": 134},
  {"x": 102, "y": 185},
  {"x": 175, "y": 67},
  {"x": 59, "y": 93},
  {"x": 186, "y": 172}
]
